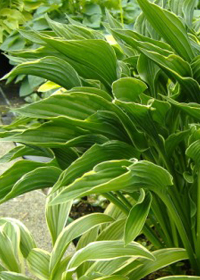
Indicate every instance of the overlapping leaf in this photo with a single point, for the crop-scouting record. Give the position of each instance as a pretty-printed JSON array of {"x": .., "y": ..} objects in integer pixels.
[{"x": 51, "y": 68}]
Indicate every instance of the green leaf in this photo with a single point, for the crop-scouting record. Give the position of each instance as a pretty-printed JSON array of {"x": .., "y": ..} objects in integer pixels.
[
  {"x": 141, "y": 116},
  {"x": 188, "y": 11},
  {"x": 113, "y": 23},
  {"x": 56, "y": 217},
  {"x": 85, "y": 239},
  {"x": 39, "y": 178},
  {"x": 51, "y": 68},
  {"x": 190, "y": 109},
  {"x": 7, "y": 275},
  {"x": 73, "y": 31},
  {"x": 38, "y": 261},
  {"x": 61, "y": 268},
  {"x": 101, "y": 175},
  {"x": 93, "y": 90},
  {"x": 177, "y": 69},
  {"x": 67, "y": 135},
  {"x": 149, "y": 72},
  {"x": 92, "y": 59},
  {"x": 96, "y": 154},
  {"x": 7, "y": 254},
  {"x": 108, "y": 267},
  {"x": 65, "y": 156},
  {"x": 179, "y": 277},
  {"x": 193, "y": 151},
  {"x": 128, "y": 89},
  {"x": 11, "y": 230},
  {"x": 169, "y": 26},
  {"x": 74, "y": 105},
  {"x": 117, "y": 175},
  {"x": 163, "y": 258},
  {"x": 14, "y": 173},
  {"x": 72, "y": 231},
  {"x": 107, "y": 250},
  {"x": 136, "y": 219},
  {"x": 138, "y": 41},
  {"x": 27, "y": 242},
  {"x": 113, "y": 231},
  {"x": 174, "y": 139},
  {"x": 20, "y": 151},
  {"x": 113, "y": 277},
  {"x": 195, "y": 65}
]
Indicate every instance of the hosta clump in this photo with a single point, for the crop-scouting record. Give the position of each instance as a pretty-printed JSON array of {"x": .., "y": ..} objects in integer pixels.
[{"x": 127, "y": 127}]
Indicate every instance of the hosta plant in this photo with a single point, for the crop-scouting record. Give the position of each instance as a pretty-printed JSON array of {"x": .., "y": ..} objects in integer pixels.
[
  {"x": 126, "y": 127},
  {"x": 100, "y": 253}
]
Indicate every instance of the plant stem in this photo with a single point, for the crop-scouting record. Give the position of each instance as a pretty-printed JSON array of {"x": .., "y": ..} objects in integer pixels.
[
  {"x": 152, "y": 237},
  {"x": 160, "y": 215},
  {"x": 181, "y": 229},
  {"x": 124, "y": 199},
  {"x": 112, "y": 198},
  {"x": 121, "y": 12}
]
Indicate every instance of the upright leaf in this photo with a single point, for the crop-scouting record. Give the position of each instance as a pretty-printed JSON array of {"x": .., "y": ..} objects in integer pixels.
[
  {"x": 72, "y": 231},
  {"x": 7, "y": 254},
  {"x": 38, "y": 261},
  {"x": 169, "y": 26},
  {"x": 136, "y": 219}
]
